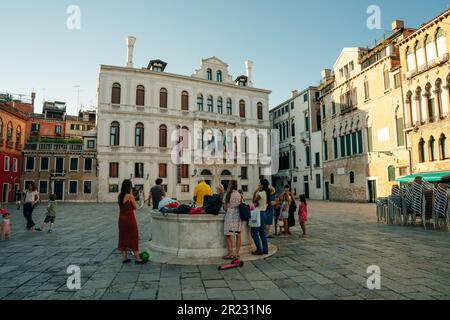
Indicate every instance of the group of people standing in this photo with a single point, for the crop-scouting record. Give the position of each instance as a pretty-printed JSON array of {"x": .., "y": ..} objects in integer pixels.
[{"x": 277, "y": 210}]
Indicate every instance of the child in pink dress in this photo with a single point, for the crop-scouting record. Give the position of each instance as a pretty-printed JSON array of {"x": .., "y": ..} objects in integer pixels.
[
  {"x": 6, "y": 224},
  {"x": 303, "y": 214}
]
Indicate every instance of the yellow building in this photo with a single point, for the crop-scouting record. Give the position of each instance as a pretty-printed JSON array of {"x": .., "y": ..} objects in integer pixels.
[
  {"x": 426, "y": 83},
  {"x": 362, "y": 114}
]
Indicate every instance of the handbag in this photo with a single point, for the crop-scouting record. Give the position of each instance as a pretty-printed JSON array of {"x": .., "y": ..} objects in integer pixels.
[
  {"x": 255, "y": 219},
  {"x": 244, "y": 212}
]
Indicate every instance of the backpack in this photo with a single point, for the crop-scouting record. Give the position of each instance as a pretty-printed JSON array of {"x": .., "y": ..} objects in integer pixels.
[
  {"x": 213, "y": 204},
  {"x": 244, "y": 212}
]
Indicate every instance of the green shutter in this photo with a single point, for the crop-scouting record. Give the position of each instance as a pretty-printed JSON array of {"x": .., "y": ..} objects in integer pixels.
[
  {"x": 342, "y": 146},
  {"x": 348, "y": 144},
  {"x": 400, "y": 133},
  {"x": 360, "y": 142}
]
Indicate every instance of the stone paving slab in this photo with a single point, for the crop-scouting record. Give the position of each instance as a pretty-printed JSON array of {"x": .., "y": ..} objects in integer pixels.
[{"x": 344, "y": 239}]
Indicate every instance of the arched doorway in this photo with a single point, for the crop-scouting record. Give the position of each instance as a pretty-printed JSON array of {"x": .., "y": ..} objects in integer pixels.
[{"x": 225, "y": 178}]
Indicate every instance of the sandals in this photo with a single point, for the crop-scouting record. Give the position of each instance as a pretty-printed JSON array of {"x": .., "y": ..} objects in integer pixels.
[{"x": 228, "y": 257}]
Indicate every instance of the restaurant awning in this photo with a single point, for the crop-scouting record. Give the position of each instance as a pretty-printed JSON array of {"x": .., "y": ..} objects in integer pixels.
[{"x": 426, "y": 176}]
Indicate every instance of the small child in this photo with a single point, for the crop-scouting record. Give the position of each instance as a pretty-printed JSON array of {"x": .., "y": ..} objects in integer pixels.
[
  {"x": 6, "y": 224},
  {"x": 51, "y": 214},
  {"x": 303, "y": 214},
  {"x": 284, "y": 215}
]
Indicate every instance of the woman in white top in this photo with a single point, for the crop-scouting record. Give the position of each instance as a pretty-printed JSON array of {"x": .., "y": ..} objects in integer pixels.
[
  {"x": 31, "y": 198},
  {"x": 260, "y": 199}
]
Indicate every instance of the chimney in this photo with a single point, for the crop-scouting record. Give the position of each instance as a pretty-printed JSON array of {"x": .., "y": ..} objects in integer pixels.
[
  {"x": 326, "y": 73},
  {"x": 130, "y": 44},
  {"x": 397, "y": 25},
  {"x": 294, "y": 93},
  {"x": 249, "y": 68},
  {"x": 33, "y": 98}
]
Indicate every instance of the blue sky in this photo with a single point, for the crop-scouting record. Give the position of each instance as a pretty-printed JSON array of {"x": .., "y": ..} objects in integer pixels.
[{"x": 289, "y": 41}]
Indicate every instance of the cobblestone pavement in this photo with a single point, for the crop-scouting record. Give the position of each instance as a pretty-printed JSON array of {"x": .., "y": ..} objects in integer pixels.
[{"x": 344, "y": 239}]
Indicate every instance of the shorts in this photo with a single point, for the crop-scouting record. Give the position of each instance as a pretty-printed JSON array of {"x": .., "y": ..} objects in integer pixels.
[
  {"x": 269, "y": 217},
  {"x": 49, "y": 219}
]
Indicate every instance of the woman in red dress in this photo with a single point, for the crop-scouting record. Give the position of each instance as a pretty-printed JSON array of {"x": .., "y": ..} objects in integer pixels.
[{"x": 128, "y": 230}]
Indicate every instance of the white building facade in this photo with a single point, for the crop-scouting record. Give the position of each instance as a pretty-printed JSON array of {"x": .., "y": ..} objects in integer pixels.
[
  {"x": 298, "y": 121},
  {"x": 143, "y": 114}
]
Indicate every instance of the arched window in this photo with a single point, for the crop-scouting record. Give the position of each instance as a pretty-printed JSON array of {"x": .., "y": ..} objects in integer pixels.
[
  {"x": 332, "y": 178},
  {"x": 432, "y": 149},
  {"x": 225, "y": 173},
  {"x": 391, "y": 173},
  {"x": 410, "y": 59},
  {"x": 185, "y": 101},
  {"x": 220, "y": 105},
  {"x": 115, "y": 93},
  {"x": 421, "y": 150},
  {"x": 9, "y": 131},
  {"x": 210, "y": 104},
  {"x": 163, "y": 136},
  {"x": 206, "y": 172},
  {"x": 242, "y": 109},
  {"x": 163, "y": 98},
  {"x": 114, "y": 134},
  {"x": 185, "y": 137},
  {"x": 430, "y": 102},
  {"x": 208, "y": 74},
  {"x": 441, "y": 47},
  {"x": 18, "y": 134},
  {"x": 259, "y": 107},
  {"x": 229, "y": 107},
  {"x": 200, "y": 102},
  {"x": 219, "y": 76},
  {"x": 139, "y": 135},
  {"x": 420, "y": 55},
  {"x": 430, "y": 49},
  {"x": 442, "y": 147},
  {"x": 352, "y": 177},
  {"x": 140, "y": 95}
]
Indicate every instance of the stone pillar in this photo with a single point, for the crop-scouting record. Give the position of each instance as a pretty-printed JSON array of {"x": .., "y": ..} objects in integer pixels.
[{"x": 445, "y": 94}]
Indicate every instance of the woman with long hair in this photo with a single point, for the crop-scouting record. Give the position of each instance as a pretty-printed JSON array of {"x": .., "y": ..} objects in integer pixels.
[
  {"x": 128, "y": 230},
  {"x": 30, "y": 201},
  {"x": 232, "y": 224}
]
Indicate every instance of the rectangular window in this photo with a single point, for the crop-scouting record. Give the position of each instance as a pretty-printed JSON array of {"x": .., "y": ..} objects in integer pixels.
[
  {"x": 35, "y": 127},
  {"x": 348, "y": 145},
  {"x": 91, "y": 144},
  {"x": 369, "y": 139},
  {"x": 400, "y": 133},
  {"x": 162, "y": 170},
  {"x": 44, "y": 164},
  {"x": 244, "y": 188},
  {"x": 366, "y": 90},
  {"x": 184, "y": 171},
  {"x": 185, "y": 188},
  {"x": 73, "y": 187},
  {"x": 387, "y": 82},
  {"x": 335, "y": 148},
  {"x": 244, "y": 173},
  {"x": 354, "y": 143},
  {"x": 58, "y": 130},
  {"x": 324, "y": 112},
  {"x": 73, "y": 164},
  {"x": 15, "y": 164},
  {"x": 318, "y": 184},
  {"x": 305, "y": 97},
  {"x": 333, "y": 108},
  {"x": 325, "y": 150},
  {"x": 292, "y": 105},
  {"x": 138, "y": 170},
  {"x": 308, "y": 156},
  {"x": 397, "y": 80},
  {"x": 317, "y": 159},
  {"x": 29, "y": 166},
  {"x": 43, "y": 187},
  {"x": 113, "y": 188},
  {"x": 87, "y": 187},
  {"x": 88, "y": 164},
  {"x": 113, "y": 169},
  {"x": 306, "y": 124},
  {"x": 342, "y": 140},
  {"x": 6, "y": 164}
]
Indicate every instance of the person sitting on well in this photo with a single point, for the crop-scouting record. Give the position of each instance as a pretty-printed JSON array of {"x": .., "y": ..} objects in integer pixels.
[{"x": 200, "y": 191}]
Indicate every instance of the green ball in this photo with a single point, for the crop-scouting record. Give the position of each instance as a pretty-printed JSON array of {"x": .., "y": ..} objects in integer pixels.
[{"x": 145, "y": 256}]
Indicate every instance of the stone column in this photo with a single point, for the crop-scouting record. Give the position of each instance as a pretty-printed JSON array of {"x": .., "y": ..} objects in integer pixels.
[{"x": 445, "y": 94}]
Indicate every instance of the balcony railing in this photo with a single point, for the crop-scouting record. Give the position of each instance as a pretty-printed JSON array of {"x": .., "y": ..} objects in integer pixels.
[{"x": 68, "y": 147}]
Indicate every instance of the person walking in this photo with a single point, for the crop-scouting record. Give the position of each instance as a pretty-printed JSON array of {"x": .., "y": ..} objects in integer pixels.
[
  {"x": 128, "y": 230},
  {"x": 260, "y": 199},
  {"x": 232, "y": 223},
  {"x": 303, "y": 215},
  {"x": 29, "y": 203},
  {"x": 156, "y": 194}
]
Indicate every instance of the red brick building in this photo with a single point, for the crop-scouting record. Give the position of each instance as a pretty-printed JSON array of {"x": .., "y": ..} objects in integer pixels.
[{"x": 13, "y": 124}]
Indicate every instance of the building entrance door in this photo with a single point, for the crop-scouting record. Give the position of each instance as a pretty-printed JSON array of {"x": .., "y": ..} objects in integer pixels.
[
  {"x": 58, "y": 189},
  {"x": 372, "y": 187},
  {"x": 306, "y": 187},
  {"x": 327, "y": 190}
]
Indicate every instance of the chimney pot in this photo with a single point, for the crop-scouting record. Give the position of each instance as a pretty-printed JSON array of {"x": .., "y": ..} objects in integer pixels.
[
  {"x": 130, "y": 49},
  {"x": 397, "y": 25},
  {"x": 294, "y": 93}
]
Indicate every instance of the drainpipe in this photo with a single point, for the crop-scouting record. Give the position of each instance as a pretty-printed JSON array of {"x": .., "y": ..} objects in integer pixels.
[{"x": 408, "y": 148}]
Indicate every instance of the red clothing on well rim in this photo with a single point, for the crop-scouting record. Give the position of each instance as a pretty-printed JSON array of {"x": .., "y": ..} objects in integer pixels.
[{"x": 128, "y": 230}]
